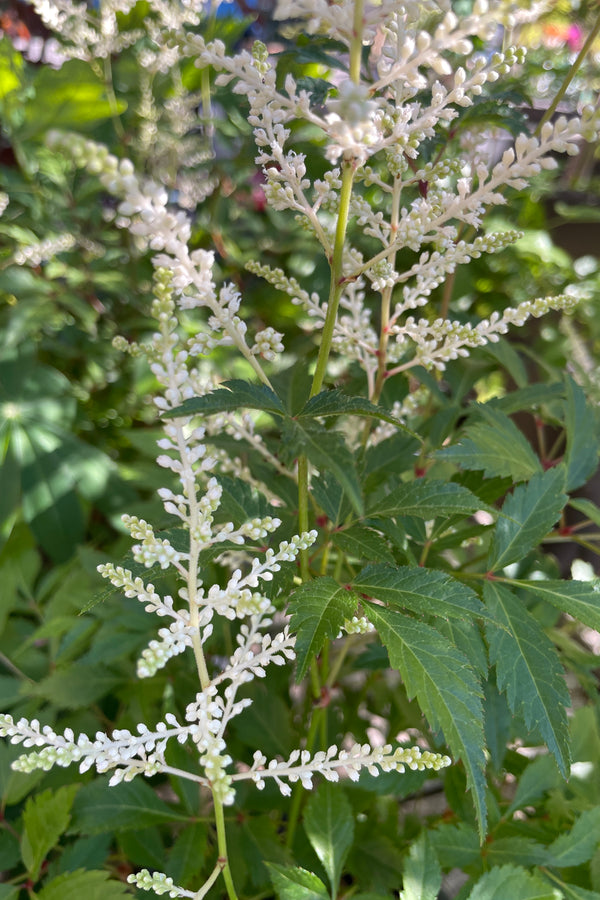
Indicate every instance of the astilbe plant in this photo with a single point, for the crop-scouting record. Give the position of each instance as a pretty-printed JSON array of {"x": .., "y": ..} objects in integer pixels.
[{"x": 406, "y": 83}]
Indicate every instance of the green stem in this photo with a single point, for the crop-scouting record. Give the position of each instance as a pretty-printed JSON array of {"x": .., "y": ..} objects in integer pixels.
[
  {"x": 570, "y": 76},
  {"x": 112, "y": 98},
  {"x": 303, "y": 513},
  {"x": 336, "y": 285},
  {"x": 222, "y": 848}
]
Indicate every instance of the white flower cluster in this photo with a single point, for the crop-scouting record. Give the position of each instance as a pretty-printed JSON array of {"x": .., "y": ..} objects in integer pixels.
[
  {"x": 35, "y": 254},
  {"x": 444, "y": 339},
  {"x": 159, "y": 883},
  {"x": 362, "y": 121},
  {"x": 302, "y": 767}
]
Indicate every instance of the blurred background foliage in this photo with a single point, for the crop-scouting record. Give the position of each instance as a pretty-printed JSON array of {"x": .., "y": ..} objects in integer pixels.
[{"x": 77, "y": 430}]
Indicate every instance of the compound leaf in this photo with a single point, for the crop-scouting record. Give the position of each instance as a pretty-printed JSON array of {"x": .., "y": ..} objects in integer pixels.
[
  {"x": 318, "y": 610},
  {"x": 511, "y": 881},
  {"x": 424, "y": 591},
  {"x": 329, "y": 825},
  {"x": 528, "y": 514},
  {"x": 581, "y": 423},
  {"x": 127, "y": 805},
  {"x": 496, "y": 446},
  {"x": 93, "y": 885},
  {"x": 427, "y": 499},
  {"x": 296, "y": 884},
  {"x": 528, "y": 669},
  {"x": 446, "y": 688},
  {"x": 422, "y": 877},
  {"x": 580, "y": 599},
  {"x": 579, "y": 844},
  {"x": 45, "y": 818},
  {"x": 232, "y": 395}
]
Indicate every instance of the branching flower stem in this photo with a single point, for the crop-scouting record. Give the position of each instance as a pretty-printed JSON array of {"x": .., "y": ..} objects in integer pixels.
[{"x": 336, "y": 284}]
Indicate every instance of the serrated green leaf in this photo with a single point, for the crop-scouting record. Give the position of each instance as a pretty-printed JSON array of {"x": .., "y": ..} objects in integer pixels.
[
  {"x": 580, "y": 599},
  {"x": 9, "y": 891},
  {"x": 512, "y": 881},
  {"x": 318, "y": 609},
  {"x": 361, "y": 543},
  {"x": 529, "y": 397},
  {"x": 446, "y": 688},
  {"x": 395, "y": 454},
  {"x": 376, "y": 862},
  {"x": 258, "y": 840},
  {"x": 518, "y": 851},
  {"x": 186, "y": 858},
  {"x": 456, "y": 846},
  {"x": 327, "y": 450},
  {"x": 296, "y": 884},
  {"x": 528, "y": 670},
  {"x": 45, "y": 819},
  {"x": 427, "y": 500},
  {"x": 133, "y": 804},
  {"x": 75, "y": 686},
  {"x": 540, "y": 776},
  {"x": 330, "y": 496},
  {"x": 424, "y": 591},
  {"x": 336, "y": 403},
  {"x": 422, "y": 877},
  {"x": 581, "y": 423},
  {"x": 574, "y": 892},
  {"x": 579, "y": 844},
  {"x": 528, "y": 514},
  {"x": 231, "y": 396},
  {"x": 329, "y": 826},
  {"x": 496, "y": 446},
  {"x": 240, "y": 501},
  {"x": 93, "y": 885}
]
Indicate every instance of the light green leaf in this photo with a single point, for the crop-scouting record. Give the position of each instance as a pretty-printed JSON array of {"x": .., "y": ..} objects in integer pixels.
[
  {"x": 296, "y": 884},
  {"x": 329, "y": 826},
  {"x": 581, "y": 422},
  {"x": 69, "y": 97},
  {"x": 133, "y": 804},
  {"x": 528, "y": 669},
  {"x": 528, "y": 514},
  {"x": 93, "y": 885},
  {"x": 422, "y": 877},
  {"x": 427, "y": 500},
  {"x": 232, "y": 395},
  {"x": 512, "y": 881},
  {"x": 579, "y": 844},
  {"x": 45, "y": 818},
  {"x": 318, "y": 609},
  {"x": 361, "y": 543},
  {"x": 446, "y": 688},
  {"x": 327, "y": 450},
  {"x": 424, "y": 591},
  {"x": 580, "y": 599},
  {"x": 496, "y": 446}
]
